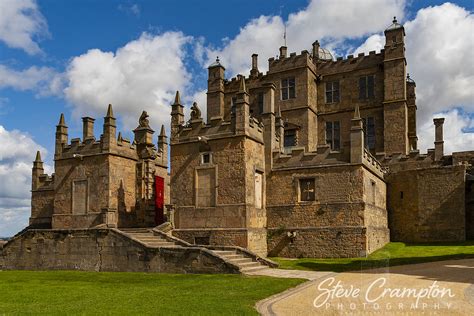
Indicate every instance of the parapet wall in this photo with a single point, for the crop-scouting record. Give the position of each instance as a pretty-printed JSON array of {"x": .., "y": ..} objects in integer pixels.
[{"x": 103, "y": 250}]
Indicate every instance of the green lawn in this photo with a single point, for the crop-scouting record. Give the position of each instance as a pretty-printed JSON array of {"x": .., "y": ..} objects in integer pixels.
[
  {"x": 395, "y": 253},
  {"x": 91, "y": 293}
]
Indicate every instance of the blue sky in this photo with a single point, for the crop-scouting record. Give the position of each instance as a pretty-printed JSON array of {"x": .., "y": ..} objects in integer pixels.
[{"x": 77, "y": 56}]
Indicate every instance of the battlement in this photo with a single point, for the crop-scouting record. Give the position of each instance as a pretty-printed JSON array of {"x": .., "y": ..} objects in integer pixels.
[
  {"x": 108, "y": 142},
  {"x": 351, "y": 63},
  {"x": 294, "y": 61}
]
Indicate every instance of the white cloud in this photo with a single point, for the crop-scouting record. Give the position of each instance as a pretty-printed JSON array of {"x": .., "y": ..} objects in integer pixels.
[
  {"x": 330, "y": 21},
  {"x": 44, "y": 81},
  {"x": 22, "y": 24},
  {"x": 142, "y": 75},
  {"x": 442, "y": 66},
  {"x": 17, "y": 153},
  {"x": 455, "y": 137}
]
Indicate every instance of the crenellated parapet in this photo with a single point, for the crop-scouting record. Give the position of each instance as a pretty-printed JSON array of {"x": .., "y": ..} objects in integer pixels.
[
  {"x": 109, "y": 142},
  {"x": 291, "y": 62},
  {"x": 351, "y": 63}
]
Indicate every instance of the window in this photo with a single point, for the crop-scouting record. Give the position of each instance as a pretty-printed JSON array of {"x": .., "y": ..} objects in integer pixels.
[
  {"x": 307, "y": 190},
  {"x": 369, "y": 132},
  {"x": 333, "y": 135},
  {"x": 332, "y": 92},
  {"x": 290, "y": 138},
  {"x": 288, "y": 88},
  {"x": 205, "y": 158},
  {"x": 366, "y": 87},
  {"x": 260, "y": 100}
]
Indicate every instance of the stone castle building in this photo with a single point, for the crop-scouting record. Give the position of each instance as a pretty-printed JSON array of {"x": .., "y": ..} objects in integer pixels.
[{"x": 317, "y": 157}]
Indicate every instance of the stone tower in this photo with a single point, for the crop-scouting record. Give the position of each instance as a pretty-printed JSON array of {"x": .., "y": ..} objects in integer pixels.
[{"x": 395, "y": 91}]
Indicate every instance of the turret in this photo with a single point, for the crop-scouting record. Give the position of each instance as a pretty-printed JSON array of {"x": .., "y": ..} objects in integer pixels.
[
  {"x": 109, "y": 130},
  {"x": 61, "y": 136},
  {"x": 177, "y": 116},
  {"x": 242, "y": 109},
  {"x": 215, "y": 91},
  {"x": 395, "y": 96},
  {"x": 357, "y": 137},
  {"x": 37, "y": 171},
  {"x": 163, "y": 145}
]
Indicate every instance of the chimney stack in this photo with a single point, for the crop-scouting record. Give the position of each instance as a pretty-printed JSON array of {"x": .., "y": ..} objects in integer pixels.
[
  {"x": 439, "y": 142},
  {"x": 283, "y": 51},
  {"x": 87, "y": 128},
  {"x": 254, "y": 70},
  {"x": 316, "y": 50}
]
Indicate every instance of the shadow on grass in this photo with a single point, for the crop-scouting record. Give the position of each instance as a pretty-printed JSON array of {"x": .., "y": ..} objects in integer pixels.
[{"x": 364, "y": 264}]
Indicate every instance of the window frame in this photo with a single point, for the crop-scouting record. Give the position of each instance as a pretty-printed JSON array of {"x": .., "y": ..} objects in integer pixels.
[
  {"x": 370, "y": 139},
  {"x": 295, "y": 137},
  {"x": 332, "y": 140},
  {"x": 300, "y": 189},
  {"x": 332, "y": 92},
  {"x": 208, "y": 154},
  {"x": 287, "y": 88},
  {"x": 367, "y": 87}
]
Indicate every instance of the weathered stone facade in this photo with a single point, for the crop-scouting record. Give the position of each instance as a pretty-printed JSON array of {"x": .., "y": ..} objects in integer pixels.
[
  {"x": 327, "y": 138},
  {"x": 315, "y": 158},
  {"x": 107, "y": 182}
]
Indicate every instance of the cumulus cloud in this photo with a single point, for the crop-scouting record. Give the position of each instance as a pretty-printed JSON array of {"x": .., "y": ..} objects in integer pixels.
[
  {"x": 456, "y": 137},
  {"x": 22, "y": 24},
  {"x": 330, "y": 21},
  {"x": 142, "y": 75},
  {"x": 17, "y": 152},
  {"x": 442, "y": 66},
  {"x": 44, "y": 81}
]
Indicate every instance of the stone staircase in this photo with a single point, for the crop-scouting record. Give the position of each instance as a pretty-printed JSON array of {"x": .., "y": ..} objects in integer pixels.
[
  {"x": 146, "y": 236},
  {"x": 244, "y": 263}
]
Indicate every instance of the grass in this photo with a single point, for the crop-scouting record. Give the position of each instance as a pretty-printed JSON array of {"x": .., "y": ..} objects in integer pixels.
[
  {"x": 91, "y": 293},
  {"x": 393, "y": 254}
]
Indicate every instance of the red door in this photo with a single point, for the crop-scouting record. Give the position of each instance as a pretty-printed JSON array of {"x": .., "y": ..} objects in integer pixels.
[{"x": 159, "y": 200}]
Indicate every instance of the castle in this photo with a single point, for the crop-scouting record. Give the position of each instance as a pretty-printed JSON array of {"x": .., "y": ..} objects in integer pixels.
[{"x": 315, "y": 158}]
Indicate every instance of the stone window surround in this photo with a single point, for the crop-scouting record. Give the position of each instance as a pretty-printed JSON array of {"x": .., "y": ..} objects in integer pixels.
[
  {"x": 367, "y": 95},
  {"x": 332, "y": 91},
  {"x": 216, "y": 174},
  {"x": 333, "y": 134},
  {"x": 202, "y": 154},
  {"x": 87, "y": 195},
  {"x": 288, "y": 87},
  {"x": 296, "y": 186}
]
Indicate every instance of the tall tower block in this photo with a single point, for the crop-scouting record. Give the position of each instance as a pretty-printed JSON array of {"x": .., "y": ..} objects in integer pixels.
[{"x": 395, "y": 91}]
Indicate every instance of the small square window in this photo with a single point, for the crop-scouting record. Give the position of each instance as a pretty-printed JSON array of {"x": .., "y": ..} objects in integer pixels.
[
  {"x": 205, "y": 158},
  {"x": 307, "y": 190}
]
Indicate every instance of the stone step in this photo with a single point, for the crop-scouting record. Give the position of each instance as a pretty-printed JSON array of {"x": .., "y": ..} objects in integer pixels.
[
  {"x": 241, "y": 260},
  {"x": 149, "y": 237},
  {"x": 249, "y": 264},
  {"x": 252, "y": 269},
  {"x": 137, "y": 230},
  {"x": 232, "y": 257},
  {"x": 224, "y": 252},
  {"x": 160, "y": 244}
]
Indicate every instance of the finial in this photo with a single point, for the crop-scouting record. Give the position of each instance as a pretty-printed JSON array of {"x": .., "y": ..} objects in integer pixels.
[
  {"x": 62, "y": 122},
  {"x": 162, "y": 132},
  {"x": 119, "y": 138},
  {"x": 357, "y": 112},
  {"x": 217, "y": 59},
  {"x": 242, "y": 87},
  {"x": 177, "y": 98},
  {"x": 394, "y": 19},
  {"x": 110, "y": 112},
  {"x": 38, "y": 156},
  {"x": 278, "y": 115}
]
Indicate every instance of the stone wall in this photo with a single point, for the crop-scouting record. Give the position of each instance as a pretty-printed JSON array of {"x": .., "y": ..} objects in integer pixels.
[
  {"x": 42, "y": 206},
  {"x": 103, "y": 250},
  {"x": 318, "y": 242},
  {"x": 427, "y": 205}
]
